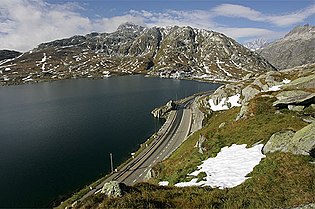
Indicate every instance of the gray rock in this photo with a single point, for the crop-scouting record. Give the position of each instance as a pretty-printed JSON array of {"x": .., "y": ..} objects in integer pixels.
[
  {"x": 248, "y": 93},
  {"x": 295, "y": 49},
  {"x": 307, "y": 206},
  {"x": 222, "y": 125},
  {"x": 294, "y": 97},
  {"x": 224, "y": 92},
  {"x": 199, "y": 143},
  {"x": 262, "y": 86},
  {"x": 308, "y": 119},
  {"x": 300, "y": 143},
  {"x": 296, "y": 108},
  {"x": 197, "y": 115},
  {"x": 112, "y": 189},
  {"x": 307, "y": 82},
  {"x": 303, "y": 140},
  {"x": 278, "y": 142},
  {"x": 247, "y": 76},
  {"x": 243, "y": 112}
]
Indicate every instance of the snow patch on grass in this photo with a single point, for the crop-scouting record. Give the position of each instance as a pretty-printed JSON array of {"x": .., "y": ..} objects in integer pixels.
[
  {"x": 229, "y": 168},
  {"x": 163, "y": 183},
  {"x": 233, "y": 100}
]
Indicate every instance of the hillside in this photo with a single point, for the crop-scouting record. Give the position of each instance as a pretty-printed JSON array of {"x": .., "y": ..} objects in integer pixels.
[
  {"x": 178, "y": 52},
  {"x": 276, "y": 115},
  {"x": 294, "y": 49},
  {"x": 8, "y": 54}
]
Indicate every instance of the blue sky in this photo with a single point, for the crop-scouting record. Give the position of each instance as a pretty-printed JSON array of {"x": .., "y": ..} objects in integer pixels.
[{"x": 26, "y": 23}]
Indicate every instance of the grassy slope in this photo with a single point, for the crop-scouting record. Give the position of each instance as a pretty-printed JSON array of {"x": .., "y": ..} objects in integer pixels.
[{"x": 280, "y": 180}]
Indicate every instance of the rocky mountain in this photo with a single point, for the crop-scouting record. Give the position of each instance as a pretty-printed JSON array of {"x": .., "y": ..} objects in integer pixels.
[
  {"x": 178, "y": 52},
  {"x": 294, "y": 49},
  {"x": 8, "y": 54},
  {"x": 256, "y": 45}
]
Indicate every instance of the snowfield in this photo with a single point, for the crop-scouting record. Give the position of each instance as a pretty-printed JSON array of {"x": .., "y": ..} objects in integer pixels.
[
  {"x": 222, "y": 105},
  {"x": 277, "y": 87},
  {"x": 229, "y": 168}
]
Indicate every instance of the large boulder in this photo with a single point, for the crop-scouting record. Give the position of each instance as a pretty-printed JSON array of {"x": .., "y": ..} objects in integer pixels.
[
  {"x": 303, "y": 141},
  {"x": 278, "y": 142},
  {"x": 224, "y": 92},
  {"x": 300, "y": 143},
  {"x": 307, "y": 82},
  {"x": 112, "y": 189},
  {"x": 243, "y": 112},
  {"x": 248, "y": 93},
  {"x": 294, "y": 97}
]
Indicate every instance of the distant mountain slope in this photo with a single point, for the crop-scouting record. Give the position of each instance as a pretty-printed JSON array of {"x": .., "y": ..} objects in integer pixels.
[
  {"x": 295, "y": 49},
  {"x": 8, "y": 54},
  {"x": 167, "y": 52},
  {"x": 256, "y": 45}
]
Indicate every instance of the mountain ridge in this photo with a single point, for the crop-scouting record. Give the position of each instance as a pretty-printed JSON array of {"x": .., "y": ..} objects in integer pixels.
[
  {"x": 176, "y": 52},
  {"x": 295, "y": 49}
]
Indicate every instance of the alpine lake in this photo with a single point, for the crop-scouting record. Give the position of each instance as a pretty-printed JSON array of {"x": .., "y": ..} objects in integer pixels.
[{"x": 55, "y": 137}]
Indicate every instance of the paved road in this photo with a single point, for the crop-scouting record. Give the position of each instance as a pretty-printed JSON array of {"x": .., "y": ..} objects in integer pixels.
[{"x": 170, "y": 136}]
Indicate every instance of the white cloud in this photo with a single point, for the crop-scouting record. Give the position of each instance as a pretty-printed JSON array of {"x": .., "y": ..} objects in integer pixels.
[
  {"x": 233, "y": 10},
  {"x": 237, "y": 33},
  {"x": 27, "y": 23}
]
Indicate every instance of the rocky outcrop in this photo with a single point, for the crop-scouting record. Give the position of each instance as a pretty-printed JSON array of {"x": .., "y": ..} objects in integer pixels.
[
  {"x": 295, "y": 49},
  {"x": 307, "y": 82},
  {"x": 112, "y": 189},
  {"x": 197, "y": 115},
  {"x": 295, "y": 97},
  {"x": 248, "y": 93},
  {"x": 278, "y": 142},
  {"x": 225, "y": 91},
  {"x": 307, "y": 206},
  {"x": 300, "y": 143},
  {"x": 199, "y": 144},
  {"x": 161, "y": 112}
]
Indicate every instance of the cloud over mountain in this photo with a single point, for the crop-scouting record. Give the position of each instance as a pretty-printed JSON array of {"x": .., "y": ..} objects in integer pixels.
[{"x": 26, "y": 23}]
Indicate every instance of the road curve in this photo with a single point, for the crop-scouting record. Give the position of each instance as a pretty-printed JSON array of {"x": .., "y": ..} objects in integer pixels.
[{"x": 169, "y": 137}]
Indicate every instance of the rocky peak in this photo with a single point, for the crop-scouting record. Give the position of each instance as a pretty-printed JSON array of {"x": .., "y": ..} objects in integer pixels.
[
  {"x": 305, "y": 31},
  {"x": 256, "y": 45},
  {"x": 294, "y": 49},
  {"x": 129, "y": 26}
]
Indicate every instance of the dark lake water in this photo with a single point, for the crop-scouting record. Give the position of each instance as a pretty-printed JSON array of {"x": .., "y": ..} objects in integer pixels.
[{"x": 56, "y": 137}]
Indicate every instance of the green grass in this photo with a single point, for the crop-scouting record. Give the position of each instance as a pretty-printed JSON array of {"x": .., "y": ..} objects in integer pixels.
[
  {"x": 257, "y": 128},
  {"x": 280, "y": 180}
]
